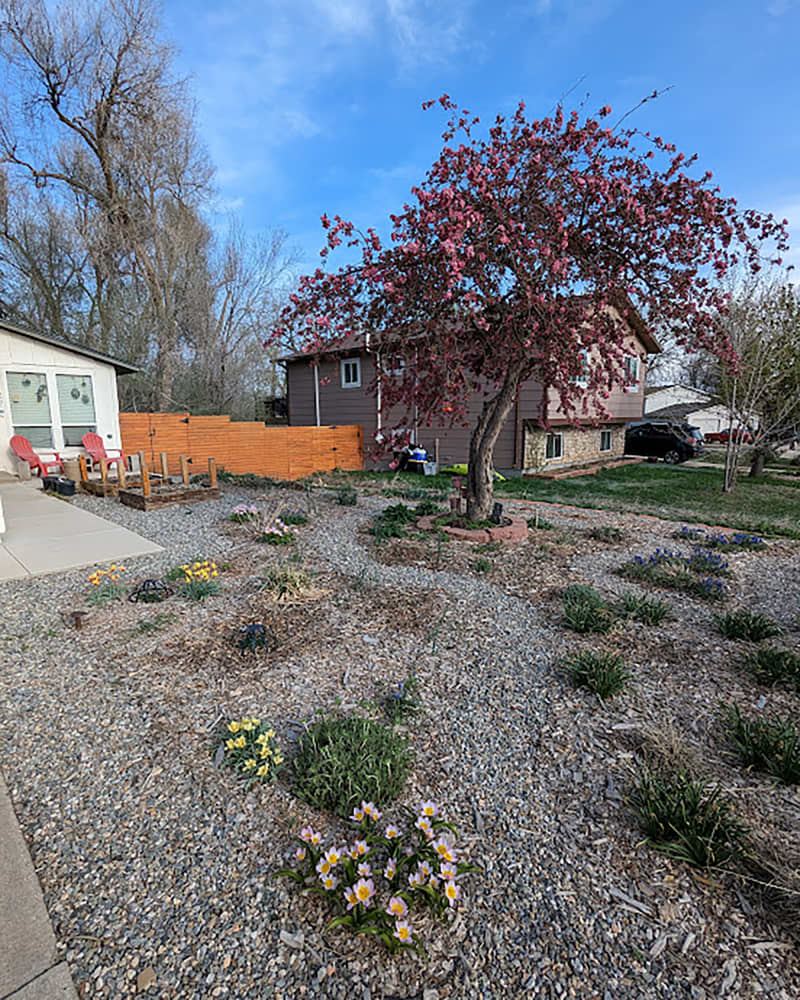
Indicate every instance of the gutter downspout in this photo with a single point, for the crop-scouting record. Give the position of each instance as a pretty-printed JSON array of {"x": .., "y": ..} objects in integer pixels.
[{"x": 316, "y": 391}]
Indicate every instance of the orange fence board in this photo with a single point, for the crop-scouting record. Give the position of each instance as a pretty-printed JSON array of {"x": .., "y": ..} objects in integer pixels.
[{"x": 278, "y": 452}]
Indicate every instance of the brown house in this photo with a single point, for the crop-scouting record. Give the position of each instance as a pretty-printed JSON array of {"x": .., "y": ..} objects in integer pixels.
[{"x": 324, "y": 390}]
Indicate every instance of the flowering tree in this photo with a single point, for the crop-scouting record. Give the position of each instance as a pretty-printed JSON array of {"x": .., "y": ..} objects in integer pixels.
[{"x": 527, "y": 253}]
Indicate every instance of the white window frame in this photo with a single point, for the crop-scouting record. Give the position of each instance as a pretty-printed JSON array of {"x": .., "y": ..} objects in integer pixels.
[
  {"x": 631, "y": 373},
  {"x": 64, "y": 427},
  {"x": 610, "y": 433},
  {"x": 393, "y": 365},
  {"x": 346, "y": 383},
  {"x": 53, "y": 426},
  {"x": 554, "y": 436}
]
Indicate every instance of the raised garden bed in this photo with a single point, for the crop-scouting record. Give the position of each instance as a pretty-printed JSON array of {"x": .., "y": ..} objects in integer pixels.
[
  {"x": 164, "y": 496},
  {"x": 514, "y": 530}
]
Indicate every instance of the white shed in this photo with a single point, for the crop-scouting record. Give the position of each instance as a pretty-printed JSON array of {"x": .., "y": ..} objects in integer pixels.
[{"x": 53, "y": 393}]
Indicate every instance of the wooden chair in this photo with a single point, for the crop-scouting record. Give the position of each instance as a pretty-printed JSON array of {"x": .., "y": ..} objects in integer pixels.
[
  {"x": 23, "y": 449},
  {"x": 93, "y": 443}
]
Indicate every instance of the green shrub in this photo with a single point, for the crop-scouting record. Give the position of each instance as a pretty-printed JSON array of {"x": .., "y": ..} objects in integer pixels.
[
  {"x": 537, "y": 523},
  {"x": 644, "y": 609},
  {"x": 347, "y": 497},
  {"x": 600, "y": 672},
  {"x": 745, "y": 624},
  {"x": 771, "y": 665},
  {"x": 482, "y": 565},
  {"x": 582, "y": 593},
  {"x": 606, "y": 533},
  {"x": 768, "y": 745},
  {"x": 426, "y": 508},
  {"x": 342, "y": 761},
  {"x": 392, "y": 522},
  {"x": 687, "y": 819}
]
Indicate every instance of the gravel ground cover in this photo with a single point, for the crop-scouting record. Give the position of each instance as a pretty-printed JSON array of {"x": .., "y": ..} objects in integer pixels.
[{"x": 157, "y": 867}]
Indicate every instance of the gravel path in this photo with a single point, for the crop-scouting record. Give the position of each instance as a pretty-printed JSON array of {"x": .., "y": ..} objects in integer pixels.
[{"x": 151, "y": 859}]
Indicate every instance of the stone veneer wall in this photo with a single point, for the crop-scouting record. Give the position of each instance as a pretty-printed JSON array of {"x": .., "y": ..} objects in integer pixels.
[{"x": 579, "y": 446}]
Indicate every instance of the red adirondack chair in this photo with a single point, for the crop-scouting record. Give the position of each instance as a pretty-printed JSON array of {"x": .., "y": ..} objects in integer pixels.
[
  {"x": 93, "y": 443},
  {"x": 23, "y": 449}
]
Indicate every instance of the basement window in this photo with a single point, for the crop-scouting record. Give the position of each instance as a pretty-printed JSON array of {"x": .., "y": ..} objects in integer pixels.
[
  {"x": 351, "y": 373},
  {"x": 605, "y": 440},
  {"x": 554, "y": 446}
]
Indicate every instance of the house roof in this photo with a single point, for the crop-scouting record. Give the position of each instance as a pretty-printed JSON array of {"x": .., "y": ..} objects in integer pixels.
[
  {"x": 358, "y": 341},
  {"x": 121, "y": 367},
  {"x": 649, "y": 390},
  {"x": 679, "y": 410}
]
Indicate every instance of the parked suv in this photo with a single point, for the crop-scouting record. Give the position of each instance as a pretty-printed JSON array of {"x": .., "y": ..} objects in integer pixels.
[{"x": 660, "y": 439}]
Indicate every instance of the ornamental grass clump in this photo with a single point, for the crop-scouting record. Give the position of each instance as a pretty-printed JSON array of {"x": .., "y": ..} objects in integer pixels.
[
  {"x": 602, "y": 672},
  {"x": 644, "y": 609},
  {"x": 294, "y": 517},
  {"x": 768, "y": 745},
  {"x": 606, "y": 533},
  {"x": 376, "y": 884},
  {"x": 687, "y": 820},
  {"x": 105, "y": 585},
  {"x": 200, "y": 579},
  {"x": 745, "y": 624},
  {"x": 772, "y": 665},
  {"x": 585, "y": 610},
  {"x": 243, "y": 512},
  {"x": 286, "y": 583},
  {"x": 250, "y": 749},
  {"x": 341, "y": 761}
]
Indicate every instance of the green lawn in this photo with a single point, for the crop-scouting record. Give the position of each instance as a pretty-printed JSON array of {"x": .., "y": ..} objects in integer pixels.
[{"x": 680, "y": 493}]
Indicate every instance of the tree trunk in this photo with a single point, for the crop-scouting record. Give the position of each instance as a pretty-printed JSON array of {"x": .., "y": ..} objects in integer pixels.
[
  {"x": 757, "y": 463},
  {"x": 480, "y": 484}
]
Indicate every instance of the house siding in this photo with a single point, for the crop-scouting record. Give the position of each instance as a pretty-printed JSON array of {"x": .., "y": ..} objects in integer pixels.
[{"x": 340, "y": 405}]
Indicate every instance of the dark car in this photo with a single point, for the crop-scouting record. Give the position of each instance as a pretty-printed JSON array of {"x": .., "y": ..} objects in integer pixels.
[{"x": 660, "y": 439}]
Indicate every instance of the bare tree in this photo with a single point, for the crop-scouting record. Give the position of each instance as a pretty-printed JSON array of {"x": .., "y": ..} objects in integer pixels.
[
  {"x": 762, "y": 391},
  {"x": 102, "y": 119}
]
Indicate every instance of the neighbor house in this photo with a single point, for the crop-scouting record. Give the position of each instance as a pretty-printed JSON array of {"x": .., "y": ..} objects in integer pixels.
[
  {"x": 324, "y": 389},
  {"x": 53, "y": 393},
  {"x": 684, "y": 404}
]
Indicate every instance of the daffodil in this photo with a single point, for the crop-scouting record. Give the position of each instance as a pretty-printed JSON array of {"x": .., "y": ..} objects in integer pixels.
[
  {"x": 249, "y": 764},
  {"x": 263, "y": 771},
  {"x": 229, "y": 744},
  {"x": 239, "y": 742},
  {"x": 234, "y": 727}
]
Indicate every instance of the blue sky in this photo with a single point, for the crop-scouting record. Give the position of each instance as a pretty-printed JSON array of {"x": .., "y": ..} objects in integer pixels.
[{"x": 313, "y": 106}]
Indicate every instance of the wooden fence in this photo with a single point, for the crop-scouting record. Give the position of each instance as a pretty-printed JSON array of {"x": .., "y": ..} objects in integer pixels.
[{"x": 278, "y": 452}]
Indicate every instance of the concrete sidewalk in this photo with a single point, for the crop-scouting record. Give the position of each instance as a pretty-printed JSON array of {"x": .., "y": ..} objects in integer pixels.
[
  {"x": 29, "y": 965},
  {"x": 46, "y": 535}
]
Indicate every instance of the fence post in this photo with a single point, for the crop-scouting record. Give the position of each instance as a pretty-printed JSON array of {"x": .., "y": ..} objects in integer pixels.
[
  {"x": 142, "y": 460},
  {"x": 83, "y": 468},
  {"x": 184, "y": 470},
  {"x": 212, "y": 473},
  {"x": 121, "y": 475},
  {"x": 145, "y": 481},
  {"x": 164, "y": 466},
  {"x": 104, "y": 471}
]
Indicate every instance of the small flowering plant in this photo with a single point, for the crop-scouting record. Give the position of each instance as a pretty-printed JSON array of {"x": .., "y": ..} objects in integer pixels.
[
  {"x": 106, "y": 586},
  {"x": 200, "y": 579},
  {"x": 697, "y": 573},
  {"x": 277, "y": 532},
  {"x": 738, "y": 540},
  {"x": 243, "y": 512},
  {"x": 250, "y": 750},
  {"x": 374, "y": 884}
]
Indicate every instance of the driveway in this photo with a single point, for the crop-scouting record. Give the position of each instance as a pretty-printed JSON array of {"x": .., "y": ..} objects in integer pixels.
[{"x": 45, "y": 535}]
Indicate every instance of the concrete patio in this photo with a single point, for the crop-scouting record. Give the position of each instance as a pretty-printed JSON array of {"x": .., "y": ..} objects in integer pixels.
[{"x": 45, "y": 535}]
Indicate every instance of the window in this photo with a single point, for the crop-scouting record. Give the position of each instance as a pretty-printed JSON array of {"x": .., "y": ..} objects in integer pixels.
[
  {"x": 631, "y": 373},
  {"x": 393, "y": 364},
  {"x": 351, "y": 373},
  {"x": 605, "y": 440},
  {"x": 30, "y": 407},
  {"x": 554, "y": 446},
  {"x": 76, "y": 404},
  {"x": 583, "y": 378}
]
